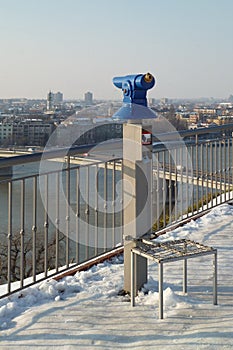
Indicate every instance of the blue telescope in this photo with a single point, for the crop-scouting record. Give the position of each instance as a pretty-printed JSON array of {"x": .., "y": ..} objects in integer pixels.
[{"x": 134, "y": 89}]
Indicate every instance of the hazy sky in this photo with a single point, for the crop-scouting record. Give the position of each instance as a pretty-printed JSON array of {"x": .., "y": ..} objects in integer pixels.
[{"x": 78, "y": 45}]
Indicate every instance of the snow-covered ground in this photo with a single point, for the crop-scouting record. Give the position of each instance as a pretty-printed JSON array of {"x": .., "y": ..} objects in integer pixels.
[{"x": 85, "y": 311}]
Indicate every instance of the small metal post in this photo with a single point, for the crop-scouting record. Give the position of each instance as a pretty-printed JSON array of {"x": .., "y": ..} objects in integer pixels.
[
  {"x": 187, "y": 182},
  {"x": 132, "y": 278},
  {"x": 194, "y": 189},
  {"x": 22, "y": 233},
  {"x": 181, "y": 181},
  {"x": 211, "y": 172},
  {"x": 229, "y": 167},
  {"x": 185, "y": 276},
  {"x": 96, "y": 207},
  {"x": 197, "y": 170},
  {"x": 122, "y": 202},
  {"x": 68, "y": 212},
  {"x": 216, "y": 170},
  {"x": 206, "y": 173},
  {"x": 87, "y": 213},
  {"x": 220, "y": 171},
  {"x": 77, "y": 213},
  {"x": 225, "y": 175},
  {"x": 10, "y": 209},
  {"x": 57, "y": 221},
  {"x": 215, "y": 301},
  {"x": 105, "y": 205},
  {"x": 170, "y": 189},
  {"x": 202, "y": 177},
  {"x": 113, "y": 204},
  {"x": 176, "y": 186},
  {"x": 46, "y": 225},
  {"x": 160, "y": 290},
  {"x": 164, "y": 190},
  {"x": 34, "y": 228}
]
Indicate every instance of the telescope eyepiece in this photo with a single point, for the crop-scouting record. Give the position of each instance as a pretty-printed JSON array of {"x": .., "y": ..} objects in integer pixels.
[{"x": 148, "y": 77}]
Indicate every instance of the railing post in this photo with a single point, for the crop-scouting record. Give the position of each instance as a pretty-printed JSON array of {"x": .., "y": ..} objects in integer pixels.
[
  {"x": 185, "y": 276},
  {"x": 160, "y": 266},
  {"x": 9, "y": 272},
  {"x": 215, "y": 283},
  {"x": 22, "y": 233},
  {"x": 132, "y": 279},
  {"x": 57, "y": 221},
  {"x": 68, "y": 212},
  {"x": 34, "y": 228},
  {"x": 46, "y": 225}
]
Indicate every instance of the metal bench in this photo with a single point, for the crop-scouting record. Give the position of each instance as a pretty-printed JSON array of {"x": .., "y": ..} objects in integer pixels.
[{"x": 167, "y": 252}]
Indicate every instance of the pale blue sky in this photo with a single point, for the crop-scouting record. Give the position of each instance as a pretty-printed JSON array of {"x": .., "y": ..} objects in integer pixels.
[{"x": 78, "y": 45}]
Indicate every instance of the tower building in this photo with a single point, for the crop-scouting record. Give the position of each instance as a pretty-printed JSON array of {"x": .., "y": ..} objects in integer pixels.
[
  {"x": 88, "y": 98},
  {"x": 50, "y": 101}
]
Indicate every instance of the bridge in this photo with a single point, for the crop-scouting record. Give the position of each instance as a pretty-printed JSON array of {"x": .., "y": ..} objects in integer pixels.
[{"x": 221, "y": 181}]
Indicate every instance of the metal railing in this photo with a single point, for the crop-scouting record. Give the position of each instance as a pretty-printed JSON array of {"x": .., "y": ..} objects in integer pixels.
[
  {"x": 193, "y": 176},
  {"x": 58, "y": 214}
]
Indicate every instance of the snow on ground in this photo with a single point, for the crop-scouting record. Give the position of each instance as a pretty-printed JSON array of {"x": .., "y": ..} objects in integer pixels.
[{"x": 85, "y": 311}]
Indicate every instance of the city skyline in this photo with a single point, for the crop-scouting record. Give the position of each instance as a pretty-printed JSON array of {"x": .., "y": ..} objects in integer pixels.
[{"x": 77, "y": 46}]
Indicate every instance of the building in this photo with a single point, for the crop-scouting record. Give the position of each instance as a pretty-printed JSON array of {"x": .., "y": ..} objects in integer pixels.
[
  {"x": 6, "y": 132},
  {"x": 54, "y": 99},
  {"x": 50, "y": 101},
  {"x": 58, "y": 97},
  {"x": 88, "y": 98},
  {"x": 152, "y": 101},
  {"x": 193, "y": 118},
  {"x": 32, "y": 132},
  {"x": 81, "y": 131},
  {"x": 164, "y": 101}
]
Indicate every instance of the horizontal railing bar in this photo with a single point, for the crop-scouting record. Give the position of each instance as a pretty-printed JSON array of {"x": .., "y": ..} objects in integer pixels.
[
  {"x": 47, "y": 154},
  {"x": 162, "y": 145},
  {"x": 78, "y": 166},
  {"x": 198, "y": 131}
]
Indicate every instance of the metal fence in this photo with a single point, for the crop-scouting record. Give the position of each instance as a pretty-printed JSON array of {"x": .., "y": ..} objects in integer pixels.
[
  {"x": 62, "y": 213},
  {"x": 58, "y": 215},
  {"x": 190, "y": 178}
]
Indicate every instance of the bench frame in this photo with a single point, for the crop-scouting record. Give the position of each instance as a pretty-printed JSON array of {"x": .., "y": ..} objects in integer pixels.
[{"x": 169, "y": 251}]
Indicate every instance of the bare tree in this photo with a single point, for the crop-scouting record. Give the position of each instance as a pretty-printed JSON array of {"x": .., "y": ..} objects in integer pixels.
[{"x": 17, "y": 249}]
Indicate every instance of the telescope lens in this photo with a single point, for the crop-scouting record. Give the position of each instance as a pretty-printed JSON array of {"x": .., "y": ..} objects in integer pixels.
[{"x": 148, "y": 77}]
